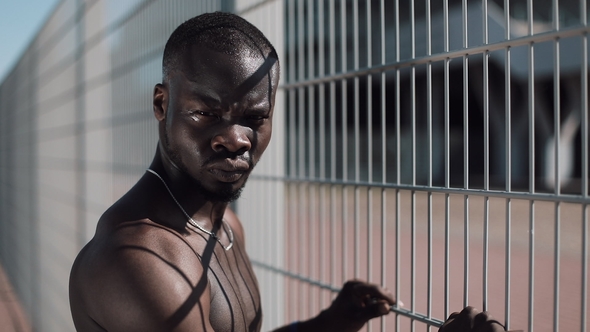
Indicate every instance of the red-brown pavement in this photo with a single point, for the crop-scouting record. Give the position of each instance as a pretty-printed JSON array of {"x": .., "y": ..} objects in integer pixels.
[{"x": 12, "y": 315}]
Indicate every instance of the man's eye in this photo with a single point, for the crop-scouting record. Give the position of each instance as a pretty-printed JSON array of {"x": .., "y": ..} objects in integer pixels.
[
  {"x": 254, "y": 117},
  {"x": 203, "y": 113}
]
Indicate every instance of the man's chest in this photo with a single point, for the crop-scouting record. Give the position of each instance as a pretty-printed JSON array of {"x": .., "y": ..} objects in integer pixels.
[{"x": 235, "y": 298}]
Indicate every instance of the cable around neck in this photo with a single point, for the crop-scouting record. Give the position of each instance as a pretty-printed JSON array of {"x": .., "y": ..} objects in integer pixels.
[{"x": 193, "y": 222}]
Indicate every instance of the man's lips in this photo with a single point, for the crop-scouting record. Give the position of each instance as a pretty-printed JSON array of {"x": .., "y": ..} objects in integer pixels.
[
  {"x": 225, "y": 176},
  {"x": 229, "y": 171}
]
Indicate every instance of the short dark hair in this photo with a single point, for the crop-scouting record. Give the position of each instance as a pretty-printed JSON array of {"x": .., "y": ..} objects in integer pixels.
[{"x": 218, "y": 31}]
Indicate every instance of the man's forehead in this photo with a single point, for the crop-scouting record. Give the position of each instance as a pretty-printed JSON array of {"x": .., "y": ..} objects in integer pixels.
[
  {"x": 227, "y": 77},
  {"x": 242, "y": 55},
  {"x": 199, "y": 61}
]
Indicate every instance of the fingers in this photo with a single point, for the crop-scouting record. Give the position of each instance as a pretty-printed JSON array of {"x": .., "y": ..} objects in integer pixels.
[
  {"x": 471, "y": 320},
  {"x": 374, "y": 307},
  {"x": 371, "y": 292},
  {"x": 484, "y": 322},
  {"x": 371, "y": 300}
]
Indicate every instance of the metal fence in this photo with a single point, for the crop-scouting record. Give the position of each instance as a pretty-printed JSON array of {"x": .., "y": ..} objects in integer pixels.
[{"x": 439, "y": 148}]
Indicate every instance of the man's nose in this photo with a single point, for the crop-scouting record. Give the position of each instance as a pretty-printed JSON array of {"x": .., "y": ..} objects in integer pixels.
[{"x": 234, "y": 139}]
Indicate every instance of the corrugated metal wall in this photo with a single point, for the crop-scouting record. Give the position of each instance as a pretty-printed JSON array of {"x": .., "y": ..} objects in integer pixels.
[{"x": 77, "y": 131}]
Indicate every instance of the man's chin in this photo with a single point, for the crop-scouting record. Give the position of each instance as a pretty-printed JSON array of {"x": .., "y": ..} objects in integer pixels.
[
  {"x": 223, "y": 196},
  {"x": 224, "y": 193}
]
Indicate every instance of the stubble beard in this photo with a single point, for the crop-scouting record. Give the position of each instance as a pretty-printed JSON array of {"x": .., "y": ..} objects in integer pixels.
[{"x": 224, "y": 195}]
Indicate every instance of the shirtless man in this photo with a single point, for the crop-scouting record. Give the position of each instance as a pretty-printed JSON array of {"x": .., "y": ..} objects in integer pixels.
[{"x": 170, "y": 254}]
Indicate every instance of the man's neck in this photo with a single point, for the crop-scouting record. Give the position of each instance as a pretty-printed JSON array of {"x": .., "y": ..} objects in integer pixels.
[{"x": 184, "y": 197}]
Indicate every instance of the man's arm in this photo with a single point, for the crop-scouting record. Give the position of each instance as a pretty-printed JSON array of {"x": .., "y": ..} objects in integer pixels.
[{"x": 356, "y": 303}]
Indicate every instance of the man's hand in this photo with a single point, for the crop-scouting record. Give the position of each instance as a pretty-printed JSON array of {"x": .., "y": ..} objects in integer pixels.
[
  {"x": 471, "y": 320},
  {"x": 356, "y": 303}
]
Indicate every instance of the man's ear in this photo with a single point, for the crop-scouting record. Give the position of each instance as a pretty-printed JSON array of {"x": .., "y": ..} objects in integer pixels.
[{"x": 160, "y": 101}]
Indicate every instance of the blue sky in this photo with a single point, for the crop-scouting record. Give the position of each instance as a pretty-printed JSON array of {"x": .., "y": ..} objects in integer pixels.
[{"x": 19, "y": 22}]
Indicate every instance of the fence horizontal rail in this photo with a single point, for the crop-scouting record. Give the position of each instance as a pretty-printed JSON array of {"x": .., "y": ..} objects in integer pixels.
[
  {"x": 532, "y": 39},
  {"x": 549, "y": 197},
  {"x": 398, "y": 310}
]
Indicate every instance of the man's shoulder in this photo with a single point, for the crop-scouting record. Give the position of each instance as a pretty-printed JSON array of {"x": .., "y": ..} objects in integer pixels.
[
  {"x": 132, "y": 264},
  {"x": 133, "y": 243}
]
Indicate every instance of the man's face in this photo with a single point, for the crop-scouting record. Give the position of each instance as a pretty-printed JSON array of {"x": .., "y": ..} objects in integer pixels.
[{"x": 219, "y": 118}]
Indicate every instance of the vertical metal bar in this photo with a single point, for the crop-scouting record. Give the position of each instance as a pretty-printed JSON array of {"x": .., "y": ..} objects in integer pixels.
[
  {"x": 413, "y": 94},
  {"x": 311, "y": 89},
  {"x": 486, "y": 106},
  {"x": 508, "y": 259},
  {"x": 332, "y": 43},
  {"x": 531, "y": 99},
  {"x": 429, "y": 134},
  {"x": 322, "y": 148},
  {"x": 584, "y": 110},
  {"x": 311, "y": 149},
  {"x": 302, "y": 238},
  {"x": 292, "y": 261},
  {"x": 465, "y": 154},
  {"x": 584, "y": 255},
  {"x": 466, "y": 251},
  {"x": 508, "y": 147},
  {"x": 486, "y": 148},
  {"x": 357, "y": 159},
  {"x": 369, "y": 238},
  {"x": 465, "y": 101},
  {"x": 369, "y": 146},
  {"x": 383, "y": 97},
  {"x": 486, "y": 223},
  {"x": 413, "y": 193},
  {"x": 332, "y": 40},
  {"x": 413, "y": 258},
  {"x": 557, "y": 105},
  {"x": 531, "y": 265},
  {"x": 293, "y": 264},
  {"x": 369, "y": 95},
  {"x": 397, "y": 97},
  {"x": 383, "y": 156},
  {"x": 80, "y": 165},
  {"x": 292, "y": 46},
  {"x": 398, "y": 164},
  {"x": 447, "y": 156},
  {"x": 310, "y": 217},
  {"x": 447, "y": 255},
  {"x": 557, "y": 134},
  {"x": 429, "y": 239},
  {"x": 557, "y": 267},
  {"x": 383, "y": 230},
  {"x": 343, "y": 50},
  {"x": 300, "y": 92},
  {"x": 584, "y": 173},
  {"x": 291, "y": 291},
  {"x": 303, "y": 307},
  {"x": 508, "y": 118},
  {"x": 397, "y": 254}
]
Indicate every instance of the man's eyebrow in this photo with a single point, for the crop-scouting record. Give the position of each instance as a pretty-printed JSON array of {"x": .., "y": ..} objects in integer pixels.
[
  {"x": 207, "y": 99},
  {"x": 258, "y": 110}
]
